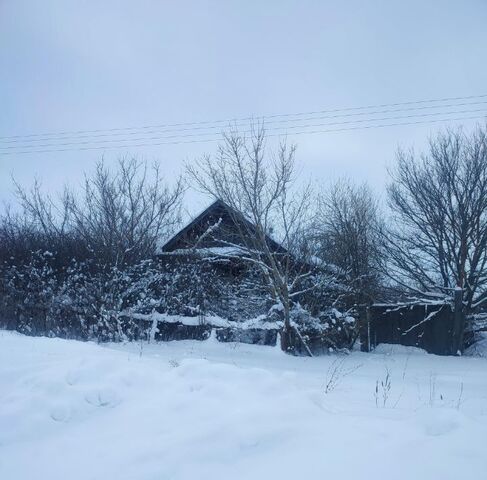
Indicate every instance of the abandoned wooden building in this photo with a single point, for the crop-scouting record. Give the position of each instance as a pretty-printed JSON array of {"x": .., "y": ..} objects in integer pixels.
[
  {"x": 218, "y": 229},
  {"x": 213, "y": 245},
  {"x": 219, "y": 238}
]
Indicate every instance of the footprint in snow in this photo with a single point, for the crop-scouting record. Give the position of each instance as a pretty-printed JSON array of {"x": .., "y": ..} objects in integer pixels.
[
  {"x": 72, "y": 377},
  {"x": 60, "y": 413},
  {"x": 103, "y": 398},
  {"x": 247, "y": 444}
]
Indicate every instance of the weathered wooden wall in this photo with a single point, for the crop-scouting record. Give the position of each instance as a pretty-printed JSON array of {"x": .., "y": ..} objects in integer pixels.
[{"x": 436, "y": 328}]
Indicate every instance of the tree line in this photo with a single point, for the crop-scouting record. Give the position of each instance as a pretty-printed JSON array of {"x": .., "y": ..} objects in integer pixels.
[{"x": 95, "y": 247}]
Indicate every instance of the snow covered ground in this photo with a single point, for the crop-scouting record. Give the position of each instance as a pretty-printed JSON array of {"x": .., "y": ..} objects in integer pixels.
[{"x": 204, "y": 410}]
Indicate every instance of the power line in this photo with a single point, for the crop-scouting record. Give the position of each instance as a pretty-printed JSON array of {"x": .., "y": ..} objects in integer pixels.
[
  {"x": 361, "y": 127},
  {"x": 289, "y": 127},
  {"x": 256, "y": 118},
  {"x": 272, "y": 122}
]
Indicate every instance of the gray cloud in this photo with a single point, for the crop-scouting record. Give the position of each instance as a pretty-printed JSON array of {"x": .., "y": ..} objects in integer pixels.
[{"x": 89, "y": 65}]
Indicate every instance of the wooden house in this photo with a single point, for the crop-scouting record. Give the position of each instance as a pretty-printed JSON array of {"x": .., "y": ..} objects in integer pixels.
[
  {"x": 218, "y": 230},
  {"x": 214, "y": 244}
]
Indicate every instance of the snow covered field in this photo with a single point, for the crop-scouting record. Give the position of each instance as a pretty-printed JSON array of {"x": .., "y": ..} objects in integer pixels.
[{"x": 204, "y": 410}]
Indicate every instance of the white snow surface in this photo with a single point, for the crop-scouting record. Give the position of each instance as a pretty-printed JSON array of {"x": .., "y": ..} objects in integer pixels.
[{"x": 206, "y": 410}]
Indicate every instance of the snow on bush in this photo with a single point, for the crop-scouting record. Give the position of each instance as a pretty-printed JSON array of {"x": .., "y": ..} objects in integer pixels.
[{"x": 84, "y": 300}]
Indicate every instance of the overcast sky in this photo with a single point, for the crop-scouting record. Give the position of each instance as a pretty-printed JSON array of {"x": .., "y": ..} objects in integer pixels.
[{"x": 86, "y": 65}]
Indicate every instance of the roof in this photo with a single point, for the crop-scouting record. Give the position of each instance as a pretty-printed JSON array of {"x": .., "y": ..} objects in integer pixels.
[{"x": 218, "y": 207}]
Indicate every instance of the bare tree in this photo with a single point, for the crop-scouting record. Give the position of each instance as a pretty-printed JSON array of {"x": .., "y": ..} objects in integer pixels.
[
  {"x": 16, "y": 236},
  {"x": 260, "y": 190},
  {"x": 42, "y": 223},
  {"x": 439, "y": 203},
  {"x": 51, "y": 217},
  {"x": 118, "y": 217},
  {"x": 123, "y": 215},
  {"x": 347, "y": 228}
]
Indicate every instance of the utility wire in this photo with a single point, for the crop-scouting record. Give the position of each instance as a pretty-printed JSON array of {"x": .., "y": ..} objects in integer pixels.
[
  {"x": 288, "y": 127},
  {"x": 255, "y": 118},
  {"x": 361, "y": 127},
  {"x": 233, "y": 125}
]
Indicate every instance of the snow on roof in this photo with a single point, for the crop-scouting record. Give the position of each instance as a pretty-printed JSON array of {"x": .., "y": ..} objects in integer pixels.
[{"x": 230, "y": 251}]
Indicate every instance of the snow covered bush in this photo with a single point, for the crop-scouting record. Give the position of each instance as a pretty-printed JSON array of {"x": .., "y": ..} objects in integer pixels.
[
  {"x": 26, "y": 293},
  {"x": 195, "y": 287},
  {"x": 79, "y": 301},
  {"x": 44, "y": 293},
  {"x": 89, "y": 301},
  {"x": 330, "y": 331}
]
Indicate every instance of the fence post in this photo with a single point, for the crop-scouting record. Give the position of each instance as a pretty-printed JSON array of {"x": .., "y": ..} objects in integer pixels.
[
  {"x": 363, "y": 319},
  {"x": 458, "y": 322}
]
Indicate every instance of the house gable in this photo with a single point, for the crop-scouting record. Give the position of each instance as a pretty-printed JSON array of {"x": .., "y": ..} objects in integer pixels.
[{"x": 219, "y": 217}]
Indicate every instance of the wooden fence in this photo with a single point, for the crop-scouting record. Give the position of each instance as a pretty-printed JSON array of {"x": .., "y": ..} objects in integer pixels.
[{"x": 435, "y": 327}]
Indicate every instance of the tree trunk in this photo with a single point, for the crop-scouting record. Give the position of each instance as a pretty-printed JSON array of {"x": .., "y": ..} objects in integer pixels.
[
  {"x": 286, "y": 333},
  {"x": 459, "y": 322},
  {"x": 289, "y": 336}
]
